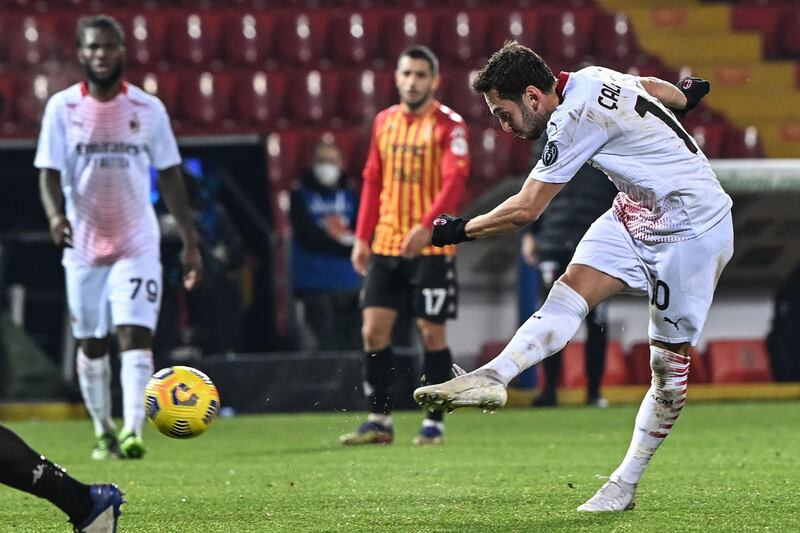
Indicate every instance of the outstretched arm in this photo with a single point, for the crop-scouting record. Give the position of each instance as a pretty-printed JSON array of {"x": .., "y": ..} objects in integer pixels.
[
  {"x": 515, "y": 212},
  {"x": 667, "y": 93}
]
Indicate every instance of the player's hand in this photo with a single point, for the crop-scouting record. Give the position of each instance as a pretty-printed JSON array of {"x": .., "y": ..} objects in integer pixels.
[
  {"x": 448, "y": 229},
  {"x": 192, "y": 267},
  {"x": 528, "y": 249},
  {"x": 416, "y": 239},
  {"x": 61, "y": 231},
  {"x": 694, "y": 89},
  {"x": 360, "y": 256}
]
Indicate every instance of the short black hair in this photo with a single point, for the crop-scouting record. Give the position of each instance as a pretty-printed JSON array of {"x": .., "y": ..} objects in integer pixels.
[
  {"x": 511, "y": 69},
  {"x": 101, "y": 22},
  {"x": 418, "y": 51}
]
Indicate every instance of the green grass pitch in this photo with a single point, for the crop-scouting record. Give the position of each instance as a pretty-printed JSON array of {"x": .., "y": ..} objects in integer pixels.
[{"x": 726, "y": 467}]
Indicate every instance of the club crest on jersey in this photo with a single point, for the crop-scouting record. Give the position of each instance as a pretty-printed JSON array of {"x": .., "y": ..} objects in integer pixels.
[
  {"x": 439, "y": 221},
  {"x": 687, "y": 83},
  {"x": 134, "y": 123},
  {"x": 550, "y": 153}
]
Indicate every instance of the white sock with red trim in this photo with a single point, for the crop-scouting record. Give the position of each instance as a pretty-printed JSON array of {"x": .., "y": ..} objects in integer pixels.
[{"x": 659, "y": 410}]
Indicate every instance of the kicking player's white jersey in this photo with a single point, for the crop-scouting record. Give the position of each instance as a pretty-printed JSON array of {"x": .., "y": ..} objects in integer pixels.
[
  {"x": 668, "y": 191},
  {"x": 103, "y": 151}
]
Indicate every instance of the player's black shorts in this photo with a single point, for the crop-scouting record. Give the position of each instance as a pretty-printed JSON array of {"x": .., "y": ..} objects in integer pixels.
[{"x": 426, "y": 284}]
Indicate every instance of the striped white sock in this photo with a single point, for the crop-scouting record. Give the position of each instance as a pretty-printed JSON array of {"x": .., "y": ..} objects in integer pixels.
[{"x": 659, "y": 410}]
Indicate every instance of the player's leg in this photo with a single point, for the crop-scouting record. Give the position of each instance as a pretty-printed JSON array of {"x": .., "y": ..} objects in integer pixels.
[
  {"x": 682, "y": 289},
  {"x": 136, "y": 368},
  {"x": 434, "y": 284},
  {"x": 88, "y": 306},
  {"x": 595, "y": 355},
  {"x": 604, "y": 264},
  {"x": 135, "y": 296},
  {"x": 383, "y": 290},
  {"x": 436, "y": 367},
  {"x": 23, "y": 468}
]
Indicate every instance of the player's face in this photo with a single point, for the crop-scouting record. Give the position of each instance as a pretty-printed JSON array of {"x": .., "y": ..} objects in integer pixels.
[
  {"x": 415, "y": 82},
  {"x": 101, "y": 55},
  {"x": 518, "y": 117}
]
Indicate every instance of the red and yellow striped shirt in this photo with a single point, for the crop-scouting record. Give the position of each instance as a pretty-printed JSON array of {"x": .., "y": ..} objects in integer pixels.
[{"x": 416, "y": 169}]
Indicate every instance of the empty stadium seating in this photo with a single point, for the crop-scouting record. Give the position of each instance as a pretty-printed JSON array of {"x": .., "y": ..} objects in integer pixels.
[
  {"x": 573, "y": 372},
  {"x": 738, "y": 361}
]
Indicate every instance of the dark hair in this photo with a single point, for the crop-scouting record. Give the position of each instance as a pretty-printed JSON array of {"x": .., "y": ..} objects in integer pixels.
[
  {"x": 100, "y": 22},
  {"x": 417, "y": 51},
  {"x": 511, "y": 69}
]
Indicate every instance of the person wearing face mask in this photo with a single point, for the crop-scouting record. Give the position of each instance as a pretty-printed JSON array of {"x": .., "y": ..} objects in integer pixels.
[{"x": 323, "y": 216}]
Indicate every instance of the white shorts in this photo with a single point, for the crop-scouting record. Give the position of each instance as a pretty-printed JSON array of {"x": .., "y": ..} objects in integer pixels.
[
  {"x": 679, "y": 277},
  {"x": 127, "y": 293}
]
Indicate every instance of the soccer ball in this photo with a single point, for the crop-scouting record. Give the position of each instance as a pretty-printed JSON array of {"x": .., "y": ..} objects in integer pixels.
[{"x": 181, "y": 402}]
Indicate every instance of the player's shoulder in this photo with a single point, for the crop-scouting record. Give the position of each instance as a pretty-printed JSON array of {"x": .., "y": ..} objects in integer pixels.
[
  {"x": 68, "y": 96},
  {"x": 448, "y": 115},
  {"x": 141, "y": 98}
]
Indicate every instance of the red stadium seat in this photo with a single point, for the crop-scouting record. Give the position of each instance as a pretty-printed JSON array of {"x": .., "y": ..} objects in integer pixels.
[
  {"x": 404, "y": 28},
  {"x": 743, "y": 143},
  {"x": 639, "y": 363},
  {"x": 30, "y": 40},
  {"x": 458, "y": 94},
  {"x": 164, "y": 85},
  {"x": 567, "y": 36},
  {"x": 193, "y": 38},
  {"x": 354, "y": 37},
  {"x": 613, "y": 38},
  {"x": 489, "y": 149},
  {"x": 789, "y": 34},
  {"x": 366, "y": 93},
  {"x": 205, "y": 100},
  {"x": 260, "y": 99},
  {"x": 145, "y": 38},
  {"x": 490, "y": 350},
  {"x": 710, "y": 138},
  {"x": 764, "y": 19},
  {"x": 314, "y": 97},
  {"x": 302, "y": 37},
  {"x": 247, "y": 38},
  {"x": 524, "y": 26},
  {"x": 573, "y": 370},
  {"x": 738, "y": 361},
  {"x": 461, "y": 37},
  {"x": 283, "y": 148}
]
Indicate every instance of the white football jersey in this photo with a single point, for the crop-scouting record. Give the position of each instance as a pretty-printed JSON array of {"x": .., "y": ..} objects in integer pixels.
[
  {"x": 103, "y": 151},
  {"x": 668, "y": 191}
]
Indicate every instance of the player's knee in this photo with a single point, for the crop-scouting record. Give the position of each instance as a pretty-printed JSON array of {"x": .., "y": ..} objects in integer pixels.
[
  {"x": 95, "y": 348},
  {"x": 134, "y": 338},
  {"x": 432, "y": 335},
  {"x": 375, "y": 336},
  {"x": 665, "y": 362}
]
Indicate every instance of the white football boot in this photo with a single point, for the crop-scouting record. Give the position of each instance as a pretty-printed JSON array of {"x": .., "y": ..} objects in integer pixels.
[
  {"x": 477, "y": 389},
  {"x": 614, "y": 496}
]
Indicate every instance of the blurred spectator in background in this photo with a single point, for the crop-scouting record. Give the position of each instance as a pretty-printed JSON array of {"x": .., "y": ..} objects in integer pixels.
[
  {"x": 783, "y": 341},
  {"x": 323, "y": 216},
  {"x": 208, "y": 319},
  {"x": 549, "y": 243}
]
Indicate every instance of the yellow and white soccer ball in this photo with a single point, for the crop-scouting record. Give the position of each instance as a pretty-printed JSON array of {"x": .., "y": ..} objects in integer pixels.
[{"x": 181, "y": 402}]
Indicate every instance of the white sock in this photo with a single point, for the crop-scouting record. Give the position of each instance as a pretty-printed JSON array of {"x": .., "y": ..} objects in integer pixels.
[
  {"x": 136, "y": 370},
  {"x": 543, "y": 334},
  {"x": 385, "y": 420},
  {"x": 659, "y": 410},
  {"x": 94, "y": 378},
  {"x": 433, "y": 423}
]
